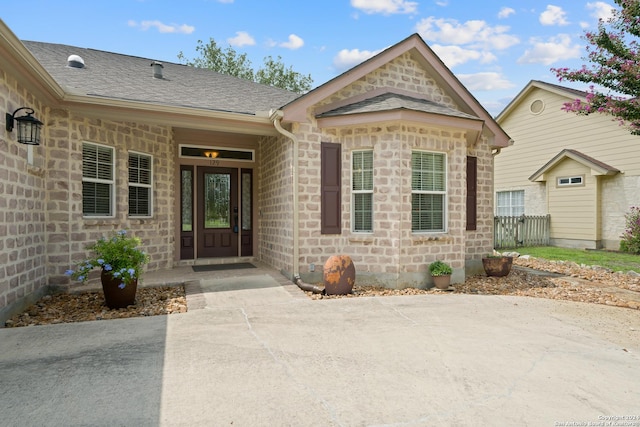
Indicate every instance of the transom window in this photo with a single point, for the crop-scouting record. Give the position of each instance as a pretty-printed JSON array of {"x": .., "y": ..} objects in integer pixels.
[
  {"x": 428, "y": 191},
  {"x": 98, "y": 180},
  {"x": 510, "y": 203},
  {"x": 362, "y": 190},
  {"x": 140, "y": 185},
  {"x": 570, "y": 180}
]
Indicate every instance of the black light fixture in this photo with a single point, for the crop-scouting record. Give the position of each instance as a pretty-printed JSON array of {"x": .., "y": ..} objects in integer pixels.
[{"x": 28, "y": 126}]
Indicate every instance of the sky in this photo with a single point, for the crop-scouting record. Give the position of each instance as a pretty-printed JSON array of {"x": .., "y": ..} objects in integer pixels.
[{"x": 494, "y": 47}]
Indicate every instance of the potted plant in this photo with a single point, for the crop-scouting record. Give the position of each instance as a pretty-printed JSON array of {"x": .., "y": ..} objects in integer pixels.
[
  {"x": 441, "y": 273},
  {"x": 497, "y": 265},
  {"x": 121, "y": 263}
]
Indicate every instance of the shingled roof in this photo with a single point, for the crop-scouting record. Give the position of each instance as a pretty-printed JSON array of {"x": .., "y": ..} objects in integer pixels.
[
  {"x": 131, "y": 78},
  {"x": 394, "y": 101}
]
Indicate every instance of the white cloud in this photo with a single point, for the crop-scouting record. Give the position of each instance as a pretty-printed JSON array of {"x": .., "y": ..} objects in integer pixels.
[
  {"x": 294, "y": 42},
  {"x": 547, "y": 52},
  {"x": 505, "y": 12},
  {"x": 455, "y": 55},
  {"x": 242, "y": 38},
  {"x": 475, "y": 33},
  {"x": 225, "y": 1},
  {"x": 485, "y": 81},
  {"x": 601, "y": 10},
  {"x": 346, "y": 58},
  {"x": 385, "y": 7},
  {"x": 163, "y": 28},
  {"x": 553, "y": 15}
]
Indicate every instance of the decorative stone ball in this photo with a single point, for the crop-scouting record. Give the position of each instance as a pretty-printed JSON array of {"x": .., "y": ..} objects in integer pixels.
[{"x": 339, "y": 275}]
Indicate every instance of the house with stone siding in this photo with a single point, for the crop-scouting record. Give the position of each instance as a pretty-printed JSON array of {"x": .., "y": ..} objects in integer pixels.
[
  {"x": 583, "y": 171},
  {"x": 390, "y": 163}
]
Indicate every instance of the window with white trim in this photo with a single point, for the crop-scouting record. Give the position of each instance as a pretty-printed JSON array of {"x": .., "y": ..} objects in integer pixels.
[
  {"x": 428, "y": 191},
  {"x": 510, "y": 203},
  {"x": 140, "y": 185},
  {"x": 98, "y": 180},
  {"x": 570, "y": 180},
  {"x": 362, "y": 190}
]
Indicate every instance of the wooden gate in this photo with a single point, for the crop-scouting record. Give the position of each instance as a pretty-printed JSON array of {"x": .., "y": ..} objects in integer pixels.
[{"x": 514, "y": 231}]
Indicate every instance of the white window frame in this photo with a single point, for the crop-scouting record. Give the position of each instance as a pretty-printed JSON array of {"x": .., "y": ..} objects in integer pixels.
[
  {"x": 571, "y": 181},
  {"x": 355, "y": 192},
  {"x": 513, "y": 206},
  {"x": 111, "y": 182},
  {"x": 141, "y": 185},
  {"x": 443, "y": 193}
]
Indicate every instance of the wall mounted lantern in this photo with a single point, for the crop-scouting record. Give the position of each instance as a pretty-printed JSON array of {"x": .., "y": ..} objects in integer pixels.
[{"x": 28, "y": 126}]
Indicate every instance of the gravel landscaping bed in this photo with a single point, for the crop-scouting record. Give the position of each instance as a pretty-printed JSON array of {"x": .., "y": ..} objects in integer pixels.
[
  {"x": 80, "y": 307},
  {"x": 574, "y": 283}
]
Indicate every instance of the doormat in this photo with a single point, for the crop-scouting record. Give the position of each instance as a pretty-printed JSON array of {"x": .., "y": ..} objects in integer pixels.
[{"x": 220, "y": 267}]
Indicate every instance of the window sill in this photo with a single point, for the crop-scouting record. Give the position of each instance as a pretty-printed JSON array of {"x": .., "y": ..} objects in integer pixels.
[
  {"x": 428, "y": 239},
  {"x": 366, "y": 239}
]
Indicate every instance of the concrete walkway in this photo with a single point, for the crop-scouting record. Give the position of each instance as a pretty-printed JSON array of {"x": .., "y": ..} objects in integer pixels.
[{"x": 255, "y": 351}]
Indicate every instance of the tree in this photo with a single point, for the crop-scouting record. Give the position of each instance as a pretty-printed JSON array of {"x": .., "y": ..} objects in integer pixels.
[
  {"x": 614, "y": 53},
  {"x": 228, "y": 61}
]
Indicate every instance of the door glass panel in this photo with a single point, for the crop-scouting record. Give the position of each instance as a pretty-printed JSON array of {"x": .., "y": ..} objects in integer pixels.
[
  {"x": 246, "y": 201},
  {"x": 187, "y": 200},
  {"x": 217, "y": 203}
]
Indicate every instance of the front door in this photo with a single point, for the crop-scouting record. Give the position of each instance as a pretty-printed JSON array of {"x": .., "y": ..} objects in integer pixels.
[{"x": 217, "y": 224}]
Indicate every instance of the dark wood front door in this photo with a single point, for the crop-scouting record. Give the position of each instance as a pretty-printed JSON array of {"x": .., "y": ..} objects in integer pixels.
[{"x": 217, "y": 227}]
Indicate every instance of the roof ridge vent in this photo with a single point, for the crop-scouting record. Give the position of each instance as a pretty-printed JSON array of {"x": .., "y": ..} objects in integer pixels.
[
  {"x": 157, "y": 69},
  {"x": 75, "y": 61}
]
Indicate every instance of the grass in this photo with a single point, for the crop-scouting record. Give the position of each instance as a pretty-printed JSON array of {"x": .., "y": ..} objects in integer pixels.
[{"x": 616, "y": 261}]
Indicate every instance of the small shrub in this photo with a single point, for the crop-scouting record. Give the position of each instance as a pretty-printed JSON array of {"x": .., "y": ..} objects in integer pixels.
[
  {"x": 439, "y": 268},
  {"x": 631, "y": 237}
]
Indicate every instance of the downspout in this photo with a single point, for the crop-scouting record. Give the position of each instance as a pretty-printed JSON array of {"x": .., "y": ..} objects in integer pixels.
[{"x": 276, "y": 116}]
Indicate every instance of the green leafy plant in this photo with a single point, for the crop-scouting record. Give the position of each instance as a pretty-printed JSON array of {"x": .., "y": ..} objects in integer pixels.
[
  {"x": 630, "y": 239},
  {"x": 118, "y": 255},
  {"x": 440, "y": 268}
]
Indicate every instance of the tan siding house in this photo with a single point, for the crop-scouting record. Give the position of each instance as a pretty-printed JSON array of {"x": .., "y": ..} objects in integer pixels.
[
  {"x": 371, "y": 164},
  {"x": 582, "y": 170}
]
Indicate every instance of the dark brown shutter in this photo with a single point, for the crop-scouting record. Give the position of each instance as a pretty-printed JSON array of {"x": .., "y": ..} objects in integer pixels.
[
  {"x": 330, "y": 188},
  {"x": 472, "y": 192}
]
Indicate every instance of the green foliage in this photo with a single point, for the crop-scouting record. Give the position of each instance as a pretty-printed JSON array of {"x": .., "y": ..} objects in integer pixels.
[
  {"x": 228, "y": 61},
  {"x": 275, "y": 74},
  {"x": 616, "y": 261},
  {"x": 631, "y": 237},
  {"x": 614, "y": 56},
  {"x": 118, "y": 254},
  {"x": 439, "y": 268}
]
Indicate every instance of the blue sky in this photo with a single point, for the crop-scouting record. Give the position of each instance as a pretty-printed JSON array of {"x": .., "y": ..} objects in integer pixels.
[{"x": 494, "y": 47}]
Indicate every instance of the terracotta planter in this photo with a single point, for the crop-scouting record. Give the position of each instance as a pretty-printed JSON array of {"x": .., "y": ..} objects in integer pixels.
[
  {"x": 497, "y": 266},
  {"x": 442, "y": 282},
  {"x": 114, "y": 296},
  {"x": 339, "y": 275}
]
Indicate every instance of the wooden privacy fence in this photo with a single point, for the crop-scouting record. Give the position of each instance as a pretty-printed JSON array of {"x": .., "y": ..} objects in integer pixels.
[{"x": 514, "y": 231}]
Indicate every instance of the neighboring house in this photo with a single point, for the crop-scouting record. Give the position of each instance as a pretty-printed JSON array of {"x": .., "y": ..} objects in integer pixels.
[
  {"x": 390, "y": 163},
  {"x": 584, "y": 171}
]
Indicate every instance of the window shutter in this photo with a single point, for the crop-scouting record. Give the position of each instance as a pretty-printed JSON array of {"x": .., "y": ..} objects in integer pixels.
[
  {"x": 472, "y": 192},
  {"x": 330, "y": 160}
]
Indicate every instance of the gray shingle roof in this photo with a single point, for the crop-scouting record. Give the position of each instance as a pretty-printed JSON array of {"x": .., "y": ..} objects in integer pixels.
[
  {"x": 394, "y": 101},
  {"x": 123, "y": 77}
]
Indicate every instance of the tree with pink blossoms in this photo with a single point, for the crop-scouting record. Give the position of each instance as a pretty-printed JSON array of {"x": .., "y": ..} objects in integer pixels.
[{"x": 614, "y": 53}]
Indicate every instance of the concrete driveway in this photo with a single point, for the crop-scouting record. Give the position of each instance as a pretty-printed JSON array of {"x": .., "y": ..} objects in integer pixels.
[{"x": 260, "y": 353}]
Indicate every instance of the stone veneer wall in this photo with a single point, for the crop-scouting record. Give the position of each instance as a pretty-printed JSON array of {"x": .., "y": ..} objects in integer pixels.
[
  {"x": 275, "y": 203},
  {"x": 23, "y": 275},
  {"x": 403, "y": 73},
  {"x": 393, "y": 255},
  {"x": 618, "y": 194},
  {"x": 479, "y": 242},
  {"x": 67, "y": 230}
]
